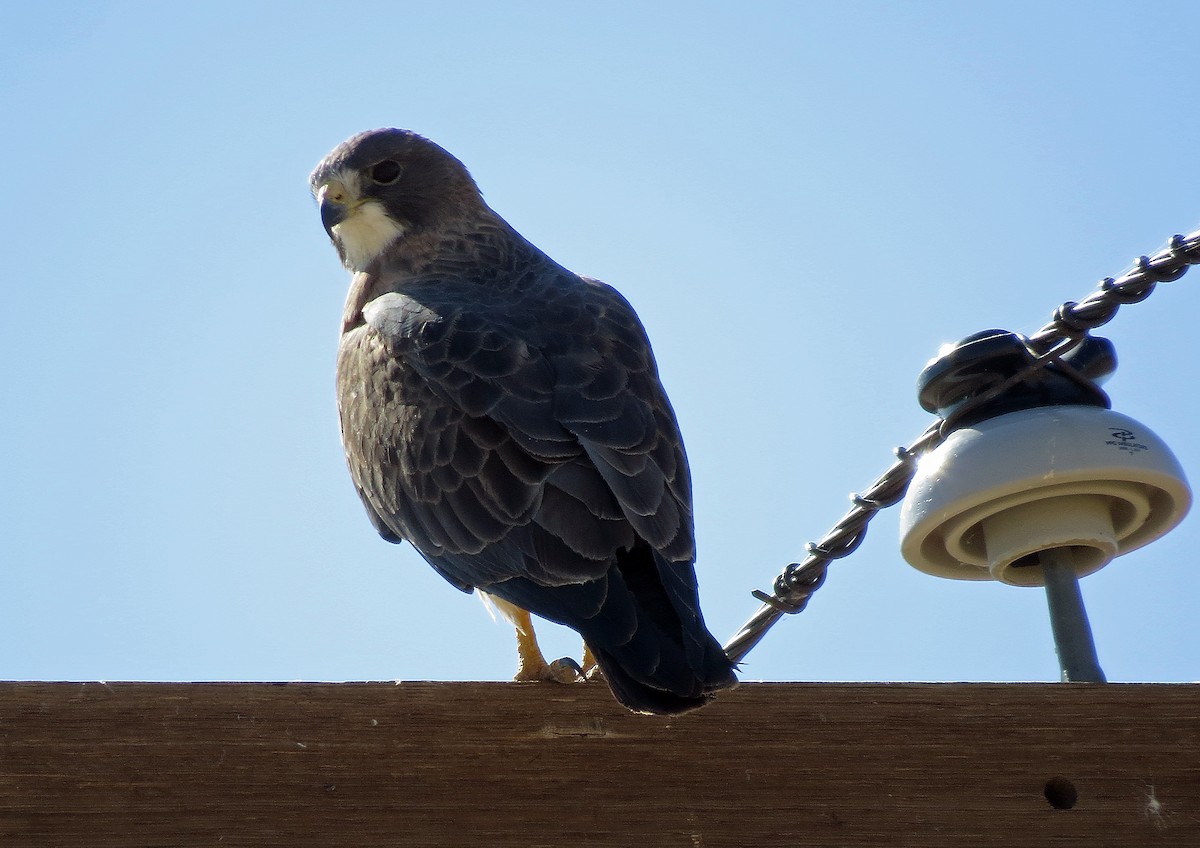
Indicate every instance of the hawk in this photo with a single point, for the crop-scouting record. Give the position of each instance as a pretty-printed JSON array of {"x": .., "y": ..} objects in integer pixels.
[{"x": 505, "y": 416}]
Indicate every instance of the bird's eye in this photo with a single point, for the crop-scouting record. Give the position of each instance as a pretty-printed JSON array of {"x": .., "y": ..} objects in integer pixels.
[{"x": 385, "y": 172}]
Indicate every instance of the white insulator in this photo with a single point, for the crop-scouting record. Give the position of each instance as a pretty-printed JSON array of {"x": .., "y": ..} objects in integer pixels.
[{"x": 994, "y": 495}]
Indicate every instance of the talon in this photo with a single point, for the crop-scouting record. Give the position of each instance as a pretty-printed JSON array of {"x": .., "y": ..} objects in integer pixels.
[
  {"x": 591, "y": 668},
  {"x": 565, "y": 670}
]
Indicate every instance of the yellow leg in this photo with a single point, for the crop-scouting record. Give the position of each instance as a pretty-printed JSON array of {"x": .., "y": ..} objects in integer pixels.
[
  {"x": 591, "y": 669},
  {"x": 531, "y": 663}
]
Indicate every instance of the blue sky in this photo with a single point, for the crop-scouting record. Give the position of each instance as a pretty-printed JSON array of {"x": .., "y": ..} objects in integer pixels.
[{"x": 803, "y": 200}]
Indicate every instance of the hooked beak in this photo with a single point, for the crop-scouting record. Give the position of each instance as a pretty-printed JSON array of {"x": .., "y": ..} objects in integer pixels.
[{"x": 335, "y": 204}]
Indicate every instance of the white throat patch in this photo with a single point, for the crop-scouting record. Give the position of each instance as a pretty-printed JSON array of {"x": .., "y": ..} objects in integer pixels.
[{"x": 367, "y": 231}]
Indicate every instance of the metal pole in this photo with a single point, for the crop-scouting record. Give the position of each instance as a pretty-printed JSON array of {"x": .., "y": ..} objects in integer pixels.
[{"x": 1068, "y": 619}]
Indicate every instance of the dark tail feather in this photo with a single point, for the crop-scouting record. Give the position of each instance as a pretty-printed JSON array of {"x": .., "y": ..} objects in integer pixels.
[
  {"x": 646, "y": 697},
  {"x": 672, "y": 664}
]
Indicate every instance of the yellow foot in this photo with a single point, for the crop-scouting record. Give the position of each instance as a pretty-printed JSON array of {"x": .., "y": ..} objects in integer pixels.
[
  {"x": 565, "y": 670},
  {"x": 531, "y": 663}
]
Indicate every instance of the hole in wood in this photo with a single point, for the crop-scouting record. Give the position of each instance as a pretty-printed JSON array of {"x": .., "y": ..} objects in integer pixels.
[{"x": 1061, "y": 793}]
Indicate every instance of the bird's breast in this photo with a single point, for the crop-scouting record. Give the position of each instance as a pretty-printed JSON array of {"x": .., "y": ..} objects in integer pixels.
[
  {"x": 378, "y": 394},
  {"x": 395, "y": 433}
]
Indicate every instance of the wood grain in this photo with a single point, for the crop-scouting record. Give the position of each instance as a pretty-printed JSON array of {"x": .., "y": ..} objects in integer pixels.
[{"x": 495, "y": 764}]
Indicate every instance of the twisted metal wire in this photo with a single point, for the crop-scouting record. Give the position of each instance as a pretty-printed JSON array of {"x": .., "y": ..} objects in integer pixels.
[{"x": 1071, "y": 323}]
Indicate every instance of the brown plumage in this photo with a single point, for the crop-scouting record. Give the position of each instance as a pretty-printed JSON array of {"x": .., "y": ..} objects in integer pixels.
[{"x": 505, "y": 416}]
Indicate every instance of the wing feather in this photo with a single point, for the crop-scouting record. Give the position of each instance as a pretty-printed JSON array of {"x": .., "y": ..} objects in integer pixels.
[{"x": 533, "y": 434}]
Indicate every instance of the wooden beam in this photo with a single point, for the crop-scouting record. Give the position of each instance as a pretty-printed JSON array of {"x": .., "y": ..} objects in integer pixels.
[{"x": 465, "y": 764}]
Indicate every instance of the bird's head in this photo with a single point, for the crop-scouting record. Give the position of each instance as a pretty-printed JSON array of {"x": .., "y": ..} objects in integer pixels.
[{"x": 385, "y": 185}]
